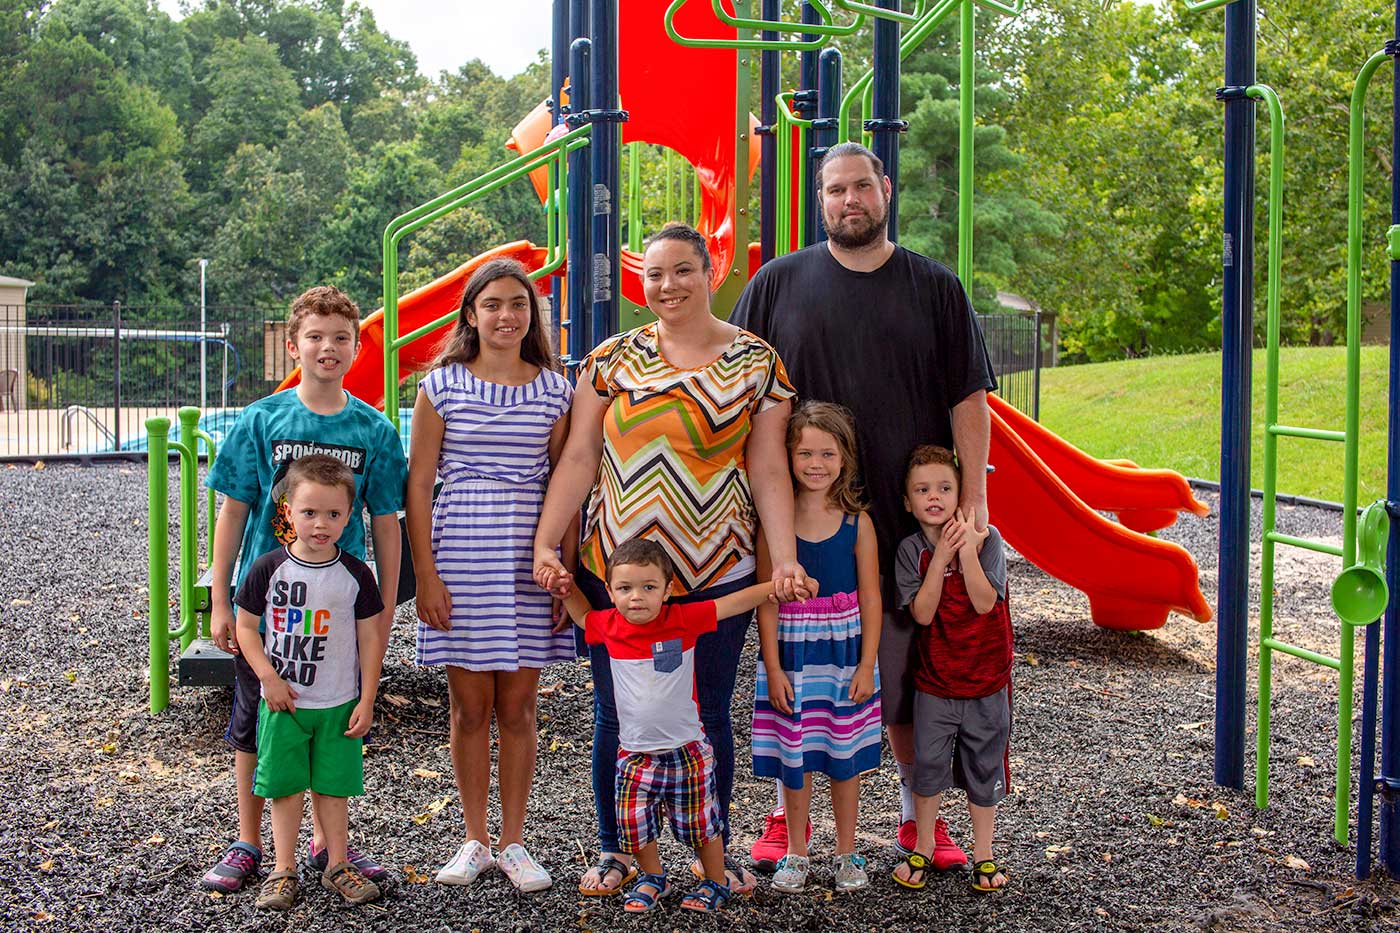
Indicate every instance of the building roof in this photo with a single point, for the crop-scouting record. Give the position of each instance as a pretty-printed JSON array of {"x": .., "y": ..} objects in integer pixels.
[{"x": 7, "y": 280}]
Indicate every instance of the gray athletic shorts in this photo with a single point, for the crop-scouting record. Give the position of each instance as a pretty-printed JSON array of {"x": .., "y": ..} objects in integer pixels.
[
  {"x": 898, "y": 659},
  {"x": 981, "y": 730}
]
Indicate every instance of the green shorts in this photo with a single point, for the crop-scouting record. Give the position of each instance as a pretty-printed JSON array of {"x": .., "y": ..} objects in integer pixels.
[{"x": 308, "y": 749}]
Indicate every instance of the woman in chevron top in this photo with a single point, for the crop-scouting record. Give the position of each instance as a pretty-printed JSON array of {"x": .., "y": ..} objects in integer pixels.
[{"x": 677, "y": 429}]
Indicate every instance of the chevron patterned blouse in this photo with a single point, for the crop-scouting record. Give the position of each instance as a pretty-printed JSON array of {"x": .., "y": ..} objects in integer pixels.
[{"x": 673, "y": 467}]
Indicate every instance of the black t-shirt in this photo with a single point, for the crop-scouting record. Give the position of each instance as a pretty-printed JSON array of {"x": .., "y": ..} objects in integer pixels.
[{"x": 899, "y": 347}]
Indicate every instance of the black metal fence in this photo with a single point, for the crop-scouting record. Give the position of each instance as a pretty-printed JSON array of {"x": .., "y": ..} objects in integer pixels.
[{"x": 80, "y": 380}]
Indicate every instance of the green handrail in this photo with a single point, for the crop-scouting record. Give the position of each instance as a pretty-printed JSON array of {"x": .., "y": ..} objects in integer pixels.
[
  {"x": 911, "y": 40},
  {"x": 786, "y": 200},
  {"x": 1353, "y": 419},
  {"x": 1200, "y": 6},
  {"x": 1272, "y": 329},
  {"x": 158, "y": 558},
  {"x": 875, "y": 12},
  {"x": 552, "y": 155}
]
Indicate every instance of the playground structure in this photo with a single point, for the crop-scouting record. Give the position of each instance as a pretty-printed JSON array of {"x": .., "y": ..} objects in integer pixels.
[{"x": 1045, "y": 495}]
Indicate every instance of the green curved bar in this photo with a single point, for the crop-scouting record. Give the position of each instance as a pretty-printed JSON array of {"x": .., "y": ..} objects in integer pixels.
[
  {"x": 784, "y": 197},
  {"x": 552, "y": 154},
  {"x": 863, "y": 87},
  {"x": 185, "y": 630},
  {"x": 1353, "y": 420},
  {"x": 875, "y": 12},
  {"x": 1200, "y": 6},
  {"x": 1272, "y": 327},
  {"x": 781, "y": 45}
]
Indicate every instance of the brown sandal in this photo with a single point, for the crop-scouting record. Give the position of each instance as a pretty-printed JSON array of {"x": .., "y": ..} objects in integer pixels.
[
  {"x": 279, "y": 890},
  {"x": 345, "y": 879}
]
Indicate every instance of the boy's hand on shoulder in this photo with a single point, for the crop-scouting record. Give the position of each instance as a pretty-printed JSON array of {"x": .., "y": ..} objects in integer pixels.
[
  {"x": 222, "y": 628},
  {"x": 279, "y": 695},
  {"x": 863, "y": 684},
  {"x": 361, "y": 718}
]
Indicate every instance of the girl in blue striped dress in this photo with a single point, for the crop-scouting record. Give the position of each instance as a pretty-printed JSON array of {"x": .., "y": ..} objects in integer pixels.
[
  {"x": 490, "y": 419},
  {"x": 817, "y": 697}
]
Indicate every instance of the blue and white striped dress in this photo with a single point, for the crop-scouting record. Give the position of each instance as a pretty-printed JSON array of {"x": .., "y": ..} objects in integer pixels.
[{"x": 494, "y": 466}]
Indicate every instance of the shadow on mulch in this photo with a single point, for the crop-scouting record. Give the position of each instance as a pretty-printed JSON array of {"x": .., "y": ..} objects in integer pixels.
[{"x": 1113, "y": 823}]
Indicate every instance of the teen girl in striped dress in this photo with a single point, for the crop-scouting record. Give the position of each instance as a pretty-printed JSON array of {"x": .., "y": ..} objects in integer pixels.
[
  {"x": 817, "y": 696},
  {"x": 490, "y": 420}
]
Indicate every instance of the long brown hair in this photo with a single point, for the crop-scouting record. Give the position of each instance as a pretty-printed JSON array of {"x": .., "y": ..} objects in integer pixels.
[
  {"x": 834, "y": 420},
  {"x": 464, "y": 343}
]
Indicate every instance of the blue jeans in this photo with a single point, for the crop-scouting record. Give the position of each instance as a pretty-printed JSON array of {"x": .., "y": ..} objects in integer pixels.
[{"x": 716, "y": 667}]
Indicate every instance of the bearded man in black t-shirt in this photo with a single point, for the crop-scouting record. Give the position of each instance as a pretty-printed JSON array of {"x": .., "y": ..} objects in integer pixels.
[{"x": 890, "y": 334}]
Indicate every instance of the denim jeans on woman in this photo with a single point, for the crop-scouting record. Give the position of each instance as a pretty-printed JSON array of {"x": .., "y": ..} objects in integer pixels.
[{"x": 716, "y": 668}]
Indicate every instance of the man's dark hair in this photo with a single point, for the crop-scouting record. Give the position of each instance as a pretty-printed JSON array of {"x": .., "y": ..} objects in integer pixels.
[{"x": 843, "y": 150}]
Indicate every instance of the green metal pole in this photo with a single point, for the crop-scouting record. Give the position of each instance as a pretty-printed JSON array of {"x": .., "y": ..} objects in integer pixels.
[
  {"x": 695, "y": 199},
  {"x": 670, "y": 170},
  {"x": 634, "y": 197},
  {"x": 157, "y": 558},
  {"x": 967, "y": 91},
  {"x": 189, "y": 523},
  {"x": 1353, "y": 420},
  {"x": 1266, "y": 601}
]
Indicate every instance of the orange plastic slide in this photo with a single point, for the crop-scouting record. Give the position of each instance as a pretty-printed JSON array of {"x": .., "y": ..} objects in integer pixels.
[
  {"x": 365, "y": 378},
  {"x": 1144, "y": 500},
  {"x": 1133, "y": 581}
]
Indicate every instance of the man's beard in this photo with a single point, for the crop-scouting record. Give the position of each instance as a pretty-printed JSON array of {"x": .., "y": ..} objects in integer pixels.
[{"x": 850, "y": 234}]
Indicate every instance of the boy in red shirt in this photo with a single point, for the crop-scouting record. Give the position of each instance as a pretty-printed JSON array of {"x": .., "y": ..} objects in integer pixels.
[
  {"x": 952, "y": 580},
  {"x": 664, "y": 760}
]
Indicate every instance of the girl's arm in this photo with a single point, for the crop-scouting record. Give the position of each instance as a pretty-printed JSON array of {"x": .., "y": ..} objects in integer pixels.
[
  {"x": 574, "y": 474},
  {"x": 868, "y": 593},
  {"x": 371, "y": 647},
  {"x": 771, "y": 482},
  {"x": 780, "y": 693},
  {"x": 424, "y": 448}
]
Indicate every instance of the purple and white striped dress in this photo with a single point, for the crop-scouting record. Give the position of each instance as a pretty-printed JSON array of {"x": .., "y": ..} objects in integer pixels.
[{"x": 494, "y": 466}]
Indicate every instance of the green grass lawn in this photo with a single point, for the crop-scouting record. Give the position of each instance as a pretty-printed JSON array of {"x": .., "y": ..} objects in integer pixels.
[{"x": 1165, "y": 412}]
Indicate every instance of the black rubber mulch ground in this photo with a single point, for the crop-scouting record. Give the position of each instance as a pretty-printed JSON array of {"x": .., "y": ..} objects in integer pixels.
[{"x": 110, "y": 815}]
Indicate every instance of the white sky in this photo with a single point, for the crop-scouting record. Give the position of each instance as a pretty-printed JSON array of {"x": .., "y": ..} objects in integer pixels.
[{"x": 445, "y": 34}]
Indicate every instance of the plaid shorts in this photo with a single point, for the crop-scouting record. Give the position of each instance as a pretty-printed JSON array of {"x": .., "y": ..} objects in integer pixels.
[{"x": 682, "y": 780}]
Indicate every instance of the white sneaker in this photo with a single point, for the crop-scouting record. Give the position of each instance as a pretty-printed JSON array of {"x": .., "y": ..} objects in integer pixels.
[
  {"x": 522, "y": 870},
  {"x": 469, "y": 862}
]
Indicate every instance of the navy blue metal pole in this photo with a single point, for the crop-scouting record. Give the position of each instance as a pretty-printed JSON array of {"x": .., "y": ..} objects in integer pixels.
[
  {"x": 580, "y": 206},
  {"x": 1390, "y": 685},
  {"x": 770, "y": 78},
  {"x": 606, "y": 147},
  {"x": 805, "y": 107},
  {"x": 885, "y": 124},
  {"x": 1232, "y": 630},
  {"x": 827, "y": 126}
]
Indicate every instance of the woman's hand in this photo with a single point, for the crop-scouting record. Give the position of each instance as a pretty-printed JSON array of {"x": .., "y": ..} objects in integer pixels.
[
  {"x": 434, "y": 603},
  {"x": 549, "y": 571},
  {"x": 863, "y": 684},
  {"x": 791, "y": 584}
]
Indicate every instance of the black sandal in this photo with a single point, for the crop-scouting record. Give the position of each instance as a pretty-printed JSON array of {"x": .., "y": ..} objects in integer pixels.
[
  {"x": 603, "y": 866},
  {"x": 918, "y": 865},
  {"x": 984, "y": 873}
]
